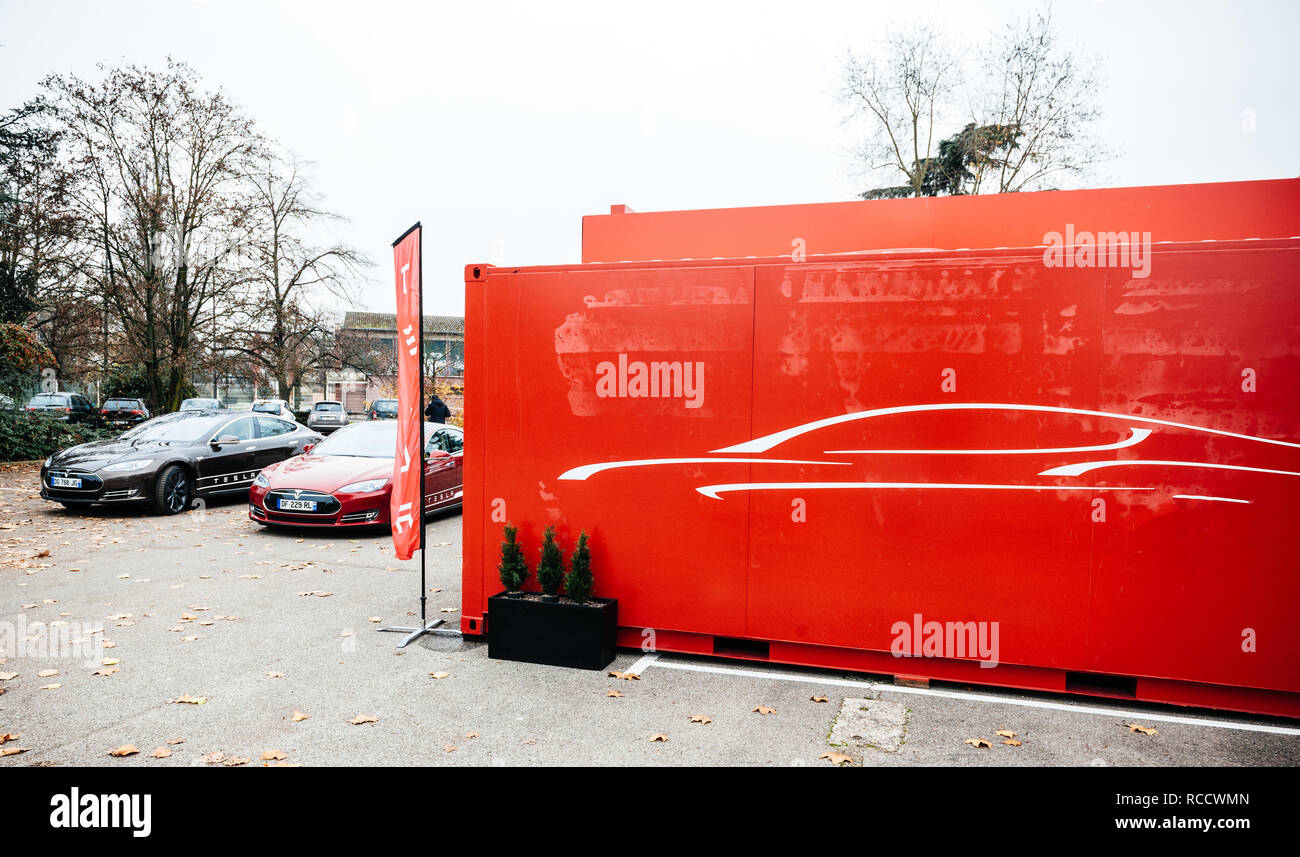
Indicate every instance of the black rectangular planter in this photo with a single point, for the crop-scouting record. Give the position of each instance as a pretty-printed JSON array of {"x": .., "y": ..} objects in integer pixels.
[{"x": 559, "y": 633}]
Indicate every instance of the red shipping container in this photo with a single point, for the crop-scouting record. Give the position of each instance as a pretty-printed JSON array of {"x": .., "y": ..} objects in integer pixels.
[{"x": 1068, "y": 469}]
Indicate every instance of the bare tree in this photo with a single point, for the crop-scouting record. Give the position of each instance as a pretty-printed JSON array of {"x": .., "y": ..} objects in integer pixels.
[
  {"x": 37, "y": 221},
  {"x": 1030, "y": 107},
  {"x": 284, "y": 325},
  {"x": 1049, "y": 94},
  {"x": 162, "y": 164},
  {"x": 899, "y": 88}
]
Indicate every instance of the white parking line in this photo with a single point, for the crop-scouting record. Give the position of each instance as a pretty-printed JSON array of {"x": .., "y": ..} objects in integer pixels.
[
  {"x": 643, "y": 664},
  {"x": 973, "y": 696}
]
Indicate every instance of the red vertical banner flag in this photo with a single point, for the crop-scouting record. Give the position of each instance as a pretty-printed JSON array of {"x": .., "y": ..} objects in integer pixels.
[{"x": 406, "y": 505}]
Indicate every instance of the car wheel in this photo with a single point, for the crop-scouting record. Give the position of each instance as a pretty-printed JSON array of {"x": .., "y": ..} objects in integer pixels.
[{"x": 171, "y": 493}]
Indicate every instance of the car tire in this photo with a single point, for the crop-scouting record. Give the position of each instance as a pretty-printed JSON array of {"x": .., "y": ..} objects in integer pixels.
[{"x": 172, "y": 491}]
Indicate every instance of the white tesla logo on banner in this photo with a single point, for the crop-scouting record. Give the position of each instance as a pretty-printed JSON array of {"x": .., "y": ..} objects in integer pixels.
[{"x": 404, "y": 518}]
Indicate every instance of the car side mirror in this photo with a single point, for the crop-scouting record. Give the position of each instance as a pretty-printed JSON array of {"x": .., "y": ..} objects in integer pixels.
[{"x": 225, "y": 440}]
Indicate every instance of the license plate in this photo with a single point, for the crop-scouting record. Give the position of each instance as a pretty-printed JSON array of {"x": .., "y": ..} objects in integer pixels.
[
  {"x": 297, "y": 505},
  {"x": 65, "y": 482}
]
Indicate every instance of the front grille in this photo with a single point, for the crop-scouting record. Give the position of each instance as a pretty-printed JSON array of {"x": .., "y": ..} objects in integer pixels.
[
  {"x": 122, "y": 494},
  {"x": 326, "y": 504},
  {"x": 359, "y": 517}
]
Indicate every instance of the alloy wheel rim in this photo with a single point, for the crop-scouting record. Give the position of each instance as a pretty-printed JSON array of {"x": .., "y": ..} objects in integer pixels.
[{"x": 175, "y": 492}]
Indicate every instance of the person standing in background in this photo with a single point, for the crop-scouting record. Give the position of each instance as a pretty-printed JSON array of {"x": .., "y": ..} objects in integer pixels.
[{"x": 437, "y": 411}]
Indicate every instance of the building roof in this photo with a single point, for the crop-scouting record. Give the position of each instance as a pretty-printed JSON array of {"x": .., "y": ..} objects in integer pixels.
[{"x": 387, "y": 321}]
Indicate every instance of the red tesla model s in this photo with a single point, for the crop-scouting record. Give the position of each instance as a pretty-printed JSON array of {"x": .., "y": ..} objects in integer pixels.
[{"x": 346, "y": 480}]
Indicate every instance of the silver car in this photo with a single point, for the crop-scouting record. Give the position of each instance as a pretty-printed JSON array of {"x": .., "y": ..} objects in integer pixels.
[{"x": 325, "y": 417}]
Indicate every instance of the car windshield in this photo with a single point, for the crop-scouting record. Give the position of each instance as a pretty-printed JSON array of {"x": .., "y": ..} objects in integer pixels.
[
  {"x": 121, "y": 403},
  {"x": 198, "y": 404},
  {"x": 46, "y": 400},
  {"x": 365, "y": 440},
  {"x": 334, "y": 407},
  {"x": 267, "y": 408},
  {"x": 182, "y": 427},
  {"x": 386, "y": 407}
]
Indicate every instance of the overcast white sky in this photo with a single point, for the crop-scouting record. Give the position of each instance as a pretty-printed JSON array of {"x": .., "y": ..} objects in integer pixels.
[{"x": 496, "y": 122}]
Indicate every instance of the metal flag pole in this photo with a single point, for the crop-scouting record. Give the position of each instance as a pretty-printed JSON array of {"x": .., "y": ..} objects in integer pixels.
[{"x": 426, "y": 627}]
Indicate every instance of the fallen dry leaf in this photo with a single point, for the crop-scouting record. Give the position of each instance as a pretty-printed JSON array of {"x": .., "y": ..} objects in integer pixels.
[
  {"x": 235, "y": 761},
  {"x": 274, "y": 755},
  {"x": 1012, "y": 741},
  {"x": 663, "y": 739},
  {"x": 978, "y": 743},
  {"x": 363, "y": 718},
  {"x": 1006, "y": 733},
  {"x": 13, "y": 751},
  {"x": 124, "y": 750},
  {"x": 449, "y": 748},
  {"x": 298, "y": 716},
  {"x": 624, "y": 676},
  {"x": 701, "y": 718},
  {"x": 764, "y": 710},
  {"x": 275, "y": 675},
  {"x": 819, "y": 699},
  {"x": 190, "y": 700},
  {"x": 836, "y": 758},
  {"x": 471, "y": 735},
  {"x": 175, "y": 740},
  {"x": 614, "y": 693},
  {"x": 1145, "y": 730},
  {"x": 51, "y": 686},
  {"x": 47, "y": 673},
  {"x": 106, "y": 671},
  {"x": 439, "y": 675},
  {"x": 160, "y": 753}
]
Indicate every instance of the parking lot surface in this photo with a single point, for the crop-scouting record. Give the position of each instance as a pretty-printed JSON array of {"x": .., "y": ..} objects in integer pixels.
[{"x": 204, "y": 639}]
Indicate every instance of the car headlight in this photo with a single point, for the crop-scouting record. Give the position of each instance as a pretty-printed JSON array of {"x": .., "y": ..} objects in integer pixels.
[
  {"x": 46, "y": 465},
  {"x": 129, "y": 466},
  {"x": 261, "y": 481},
  {"x": 362, "y": 487}
]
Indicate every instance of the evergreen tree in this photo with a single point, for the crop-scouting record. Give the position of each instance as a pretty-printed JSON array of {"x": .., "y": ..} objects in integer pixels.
[
  {"x": 550, "y": 569},
  {"x": 513, "y": 568},
  {"x": 579, "y": 583}
]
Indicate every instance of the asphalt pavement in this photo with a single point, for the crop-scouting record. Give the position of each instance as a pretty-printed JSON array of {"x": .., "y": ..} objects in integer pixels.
[{"x": 209, "y": 640}]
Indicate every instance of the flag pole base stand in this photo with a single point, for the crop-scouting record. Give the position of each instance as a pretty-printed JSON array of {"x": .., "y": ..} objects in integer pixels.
[{"x": 413, "y": 633}]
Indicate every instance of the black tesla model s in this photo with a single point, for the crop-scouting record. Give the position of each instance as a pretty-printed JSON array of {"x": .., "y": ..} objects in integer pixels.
[{"x": 169, "y": 460}]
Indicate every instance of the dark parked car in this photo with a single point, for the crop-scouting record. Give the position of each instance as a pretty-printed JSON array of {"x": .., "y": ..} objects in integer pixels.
[
  {"x": 124, "y": 412},
  {"x": 66, "y": 407},
  {"x": 203, "y": 405},
  {"x": 169, "y": 460},
  {"x": 382, "y": 409}
]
